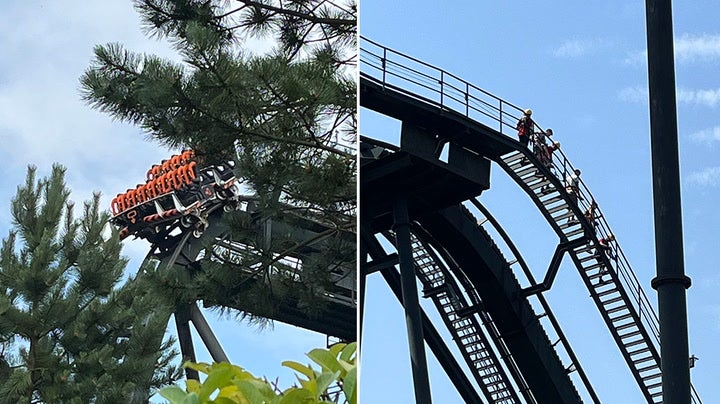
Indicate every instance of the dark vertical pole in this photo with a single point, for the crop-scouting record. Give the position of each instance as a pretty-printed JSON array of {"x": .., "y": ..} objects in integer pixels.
[
  {"x": 203, "y": 328},
  {"x": 413, "y": 317},
  {"x": 361, "y": 289},
  {"x": 671, "y": 281},
  {"x": 182, "y": 318}
]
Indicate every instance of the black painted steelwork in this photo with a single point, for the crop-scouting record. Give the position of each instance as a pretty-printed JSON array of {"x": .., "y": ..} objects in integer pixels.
[
  {"x": 671, "y": 282},
  {"x": 543, "y": 302},
  {"x": 450, "y": 110},
  {"x": 413, "y": 318},
  {"x": 181, "y": 251},
  {"x": 430, "y": 334}
]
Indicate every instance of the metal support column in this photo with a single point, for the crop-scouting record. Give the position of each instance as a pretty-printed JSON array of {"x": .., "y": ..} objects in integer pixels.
[
  {"x": 203, "y": 328},
  {"x": 182, "y": 322},
  {"x": 671, "y": 281},
  {"x": 413, "y": 316}
]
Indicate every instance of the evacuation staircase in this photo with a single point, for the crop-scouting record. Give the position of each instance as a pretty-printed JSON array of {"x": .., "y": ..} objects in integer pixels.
[
  {"x": 598, "y": 271},
  {"x": 416, "y": 90},
  {"x": 464, "y": 327}
]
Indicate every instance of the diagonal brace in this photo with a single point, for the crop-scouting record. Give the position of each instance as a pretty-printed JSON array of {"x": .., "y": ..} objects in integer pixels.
[{"x": 552, "y": 271}]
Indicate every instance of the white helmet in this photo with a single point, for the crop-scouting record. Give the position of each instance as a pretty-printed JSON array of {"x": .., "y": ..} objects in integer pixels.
[
  {"x": 557, "y": 145},
  {"x": 528, "y": 111}
]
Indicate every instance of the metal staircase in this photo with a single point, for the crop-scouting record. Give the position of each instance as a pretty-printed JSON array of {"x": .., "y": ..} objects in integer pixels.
[
  {"x": 599, "y": 272},
  {"x": 487, "y": 119},
  {"x": 465, "y": 328}
]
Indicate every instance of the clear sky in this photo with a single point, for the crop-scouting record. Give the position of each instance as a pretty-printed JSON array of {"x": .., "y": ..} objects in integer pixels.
[
  {"x": 581, "y": 67},
  {"x": 45, "y": 47}
]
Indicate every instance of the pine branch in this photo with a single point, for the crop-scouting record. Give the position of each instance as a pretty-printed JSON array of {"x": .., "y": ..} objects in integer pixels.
[{"x": 348, "y": 24}]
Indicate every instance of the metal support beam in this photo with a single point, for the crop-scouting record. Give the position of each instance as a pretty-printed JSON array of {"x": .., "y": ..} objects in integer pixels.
[
  {"x": 182, "y": 322},
  {"x": 670, "y": 282},
  {"x": 375, "y": 265},
  {"x": 364, "y": 258},
  {"x": 203, "y": 328},
  {"x": 413, "y": 317},
  {"x": 437, "y": 345},
  {"x": 554, "y": 266}
]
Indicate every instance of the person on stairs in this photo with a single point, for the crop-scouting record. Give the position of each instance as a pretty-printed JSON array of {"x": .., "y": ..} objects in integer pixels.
[
  {"x": 572, "y": 182},
  {"x": 525, "y": 127},
  {"x": 605, "y": 248}
]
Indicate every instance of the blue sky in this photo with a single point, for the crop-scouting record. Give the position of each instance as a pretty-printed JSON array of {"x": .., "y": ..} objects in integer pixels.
[
  {"x": 581, "y": 67},
  {"x": 45, "y": 47}
]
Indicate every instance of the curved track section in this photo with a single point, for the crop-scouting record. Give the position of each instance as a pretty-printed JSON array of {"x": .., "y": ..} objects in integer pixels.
[{"x": 436, "y": 109}]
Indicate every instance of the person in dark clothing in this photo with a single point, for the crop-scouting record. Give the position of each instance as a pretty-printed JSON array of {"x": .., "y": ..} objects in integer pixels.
[
  {"x": 525, "y": 128},
  {"x": 606, "y": 249}
]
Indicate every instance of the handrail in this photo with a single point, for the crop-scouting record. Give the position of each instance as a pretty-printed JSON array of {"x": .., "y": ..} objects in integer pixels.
[{"x": 375, "y": 60}]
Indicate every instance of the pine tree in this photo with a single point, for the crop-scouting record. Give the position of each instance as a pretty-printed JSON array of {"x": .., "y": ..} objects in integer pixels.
[
  {"x": 68, "y": 332},
  {"x": 288, "y": 118}
]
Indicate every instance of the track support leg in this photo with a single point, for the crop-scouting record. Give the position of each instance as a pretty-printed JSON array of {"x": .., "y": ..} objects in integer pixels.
[{"x": 413, "y": 315}]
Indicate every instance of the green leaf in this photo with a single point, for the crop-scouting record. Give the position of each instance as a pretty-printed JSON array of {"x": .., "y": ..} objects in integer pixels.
[
  {"x": 298, "y": 367},
  {"x": 174, "y": 394},
  {"x": 218, "y": 377},
  {"x": 251, "y": 392},
  {"x": 348, "y": 352},
  {"x": 296, "y": 396},
  {"x": 337, "y": 348},
  {"x": 349, "y": 386},
  {"x": 325, "y": 379},
  {"x": 200, "y": 367},
  {"x": 323, "y": 358},
  {"x": 191, "y": 398}
]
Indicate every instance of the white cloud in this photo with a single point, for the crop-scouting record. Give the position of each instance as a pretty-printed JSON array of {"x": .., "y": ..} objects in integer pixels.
[
  {"x": 636, "y": 94},
  {"x": 689, "y": 48},
  {"x": 708, "y": 177},
  {"x": 575, "y": 48},
  {"x": 707, "y": 136},
  {"x": 709, "y": 98}
]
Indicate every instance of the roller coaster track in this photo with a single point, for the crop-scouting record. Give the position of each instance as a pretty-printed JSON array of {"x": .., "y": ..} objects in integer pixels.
[{"x": 461, "y": 114}]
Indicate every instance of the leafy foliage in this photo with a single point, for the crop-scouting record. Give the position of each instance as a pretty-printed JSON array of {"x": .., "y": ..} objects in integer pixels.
[
  {"x": 68, "y": 332},
  {"x": 335, "y": 381}
]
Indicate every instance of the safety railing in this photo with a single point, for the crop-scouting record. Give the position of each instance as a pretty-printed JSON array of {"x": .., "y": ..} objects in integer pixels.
[
  {"x": 431, "y": 84},
  {"x": 426, "y": 82}
]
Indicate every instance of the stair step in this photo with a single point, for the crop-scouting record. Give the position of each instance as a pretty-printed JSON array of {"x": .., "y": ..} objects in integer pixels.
[
  {"x": 512, "y": 157},
  {"x": 607, "y": 292},
  {"x": 652, "y": 386},
  {"x": 560, "y": 217},
  {"x": 624, "y": 326},
  {"x": 639, "y": 351},
  {"x": 569, "y": 223},
  {"x": 485, "y": 367},
  {"x": 650, "y": 367},
  {"x": 588, "y": 258},
  {"x": 611, "y": 301},
  {"x": 557, "y": 208},
  {"x": 636, "y": 342},
  {"x": 621, "y": 318},
  {"x": 631, "y": 334},
  {"x": 549, "y": 201},
  {"x": 641, "y": 360},
  {"x": 524, "y": 171},
  {"x": 593, "y": 266},
  {"x": 575, "y": 232},
  {"x": 539, "y": 185},
  {"x": 616, "y": 309},
  {"x": 653, "y": 376}
]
